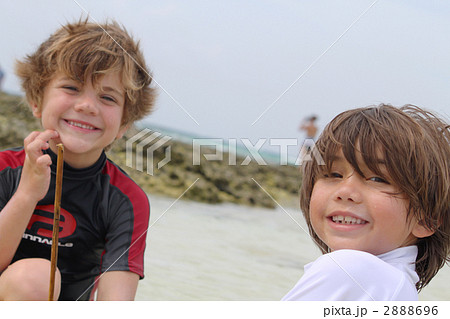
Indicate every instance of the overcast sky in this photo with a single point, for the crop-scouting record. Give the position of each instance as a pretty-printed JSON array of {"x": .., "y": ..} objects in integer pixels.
[{"x": 222, "y": 65}]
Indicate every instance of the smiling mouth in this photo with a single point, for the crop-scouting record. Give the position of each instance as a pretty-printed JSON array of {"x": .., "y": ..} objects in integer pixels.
[
  {"x": 347, "y": 220},
  {"x": 80, "y": 125}
]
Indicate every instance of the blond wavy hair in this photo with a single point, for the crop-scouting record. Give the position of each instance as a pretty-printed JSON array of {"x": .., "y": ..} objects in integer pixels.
[{"x": 86, "y": 51}]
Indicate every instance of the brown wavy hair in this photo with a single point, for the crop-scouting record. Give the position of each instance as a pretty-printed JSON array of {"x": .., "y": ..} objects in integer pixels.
[
  {"x": 416, "y": 148},
  {"x": 86, "y": 51}
]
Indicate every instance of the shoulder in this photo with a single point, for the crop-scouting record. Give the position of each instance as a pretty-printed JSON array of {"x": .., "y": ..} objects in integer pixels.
[
  {"x": 126, "y": 187},
  {"x": 13, "y": 158},
  {"x": 366, "y": 274},
  {"x": 119, "y": 178},
  {"x": 352, "y": 275},
  {"x": 349, "y": 267},
  {"x": 351, "y": 260}
]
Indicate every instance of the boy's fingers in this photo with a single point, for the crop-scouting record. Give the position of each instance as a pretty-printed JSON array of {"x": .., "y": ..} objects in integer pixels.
[
  {"x": 47, "y": 135},
  {"x": 44, "y": 160},
  {"x": 43, "y": 136},
  {"x": 34, "y": 149},
  {"x": 37, "y": 141},
  {"x": 31, "y": 137}
]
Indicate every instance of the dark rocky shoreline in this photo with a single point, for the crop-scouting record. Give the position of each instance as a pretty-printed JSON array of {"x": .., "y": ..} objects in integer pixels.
[{"x": 215, "y": 181}]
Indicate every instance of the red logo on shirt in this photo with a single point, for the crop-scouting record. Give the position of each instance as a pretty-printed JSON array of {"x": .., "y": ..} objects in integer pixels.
[{"x": 41, "y": 223}]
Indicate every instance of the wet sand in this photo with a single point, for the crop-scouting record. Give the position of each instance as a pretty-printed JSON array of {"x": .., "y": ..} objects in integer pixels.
[{"x": 198, "y": 251}]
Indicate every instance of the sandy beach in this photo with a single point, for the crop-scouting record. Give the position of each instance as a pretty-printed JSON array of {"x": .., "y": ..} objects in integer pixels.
[{"x": 199, "y": 251}]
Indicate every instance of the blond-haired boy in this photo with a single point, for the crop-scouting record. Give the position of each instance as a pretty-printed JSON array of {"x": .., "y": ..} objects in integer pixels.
[{"x": 87, "y": 83}]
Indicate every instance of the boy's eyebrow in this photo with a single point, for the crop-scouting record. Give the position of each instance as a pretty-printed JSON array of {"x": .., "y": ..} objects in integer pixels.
[
  {"x": 111, "y": 89},
  {"x": 66, "y": 78}
]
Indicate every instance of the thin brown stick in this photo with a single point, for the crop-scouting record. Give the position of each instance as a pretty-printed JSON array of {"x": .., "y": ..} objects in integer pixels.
[{"x": 55, "y": 238}]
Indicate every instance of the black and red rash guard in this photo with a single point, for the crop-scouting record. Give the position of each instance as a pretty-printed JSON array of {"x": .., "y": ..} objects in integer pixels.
[{"x": 103, "y": 223}]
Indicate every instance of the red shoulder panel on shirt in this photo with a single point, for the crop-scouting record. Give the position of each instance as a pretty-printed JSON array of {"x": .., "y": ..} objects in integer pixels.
[{"x": 12, "y": 158}]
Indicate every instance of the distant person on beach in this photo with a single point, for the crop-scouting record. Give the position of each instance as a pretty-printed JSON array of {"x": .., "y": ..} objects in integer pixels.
[
  {"x": 310, "y": 128},
  {"x": 379, "y": 209},
  {"x": 87, "y": 83}
]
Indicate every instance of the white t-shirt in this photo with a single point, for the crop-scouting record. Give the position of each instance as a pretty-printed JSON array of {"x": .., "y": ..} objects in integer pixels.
[{"x": 356, "y": 275}]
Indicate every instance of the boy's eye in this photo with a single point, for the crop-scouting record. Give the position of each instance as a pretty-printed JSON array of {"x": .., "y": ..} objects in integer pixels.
[
  {"x": 109, "y": 98},
  {"x": 70, "y": 88},
  {"x": 332, "y": 175},
  {"x": 378, "y": 179}
]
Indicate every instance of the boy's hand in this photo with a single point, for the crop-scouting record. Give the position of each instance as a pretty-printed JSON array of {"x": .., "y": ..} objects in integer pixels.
[{"x": 35, "y": 178}]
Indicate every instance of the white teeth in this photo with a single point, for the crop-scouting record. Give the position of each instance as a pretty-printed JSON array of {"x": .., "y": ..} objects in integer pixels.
[
  {"x": 87, "y": 127},
  {"x": 347, "y": 220}
]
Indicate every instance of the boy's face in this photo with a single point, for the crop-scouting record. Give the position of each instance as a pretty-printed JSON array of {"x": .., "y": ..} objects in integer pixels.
[
  {"x": 349, "y": 211},
  {"x": 87, "y": 117}
]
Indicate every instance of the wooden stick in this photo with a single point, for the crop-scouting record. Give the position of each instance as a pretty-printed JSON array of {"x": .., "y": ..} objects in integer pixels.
[{"x": 55, "y": 238}]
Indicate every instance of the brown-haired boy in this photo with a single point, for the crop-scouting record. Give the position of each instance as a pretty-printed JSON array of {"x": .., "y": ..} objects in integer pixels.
[
  {"x": 379, "y": 209},
  {"x": 87, "y": 83}
]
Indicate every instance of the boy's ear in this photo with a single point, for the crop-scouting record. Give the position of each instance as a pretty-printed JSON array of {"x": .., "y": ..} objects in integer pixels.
[
  {"x": 36, "y": 111},
  {"x": 421, "y": 231}
]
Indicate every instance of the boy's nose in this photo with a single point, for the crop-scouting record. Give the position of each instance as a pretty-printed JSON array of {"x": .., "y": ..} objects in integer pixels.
[
  {"x": 86, "y": 104},
  {"x": 350, "y": 189}
]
